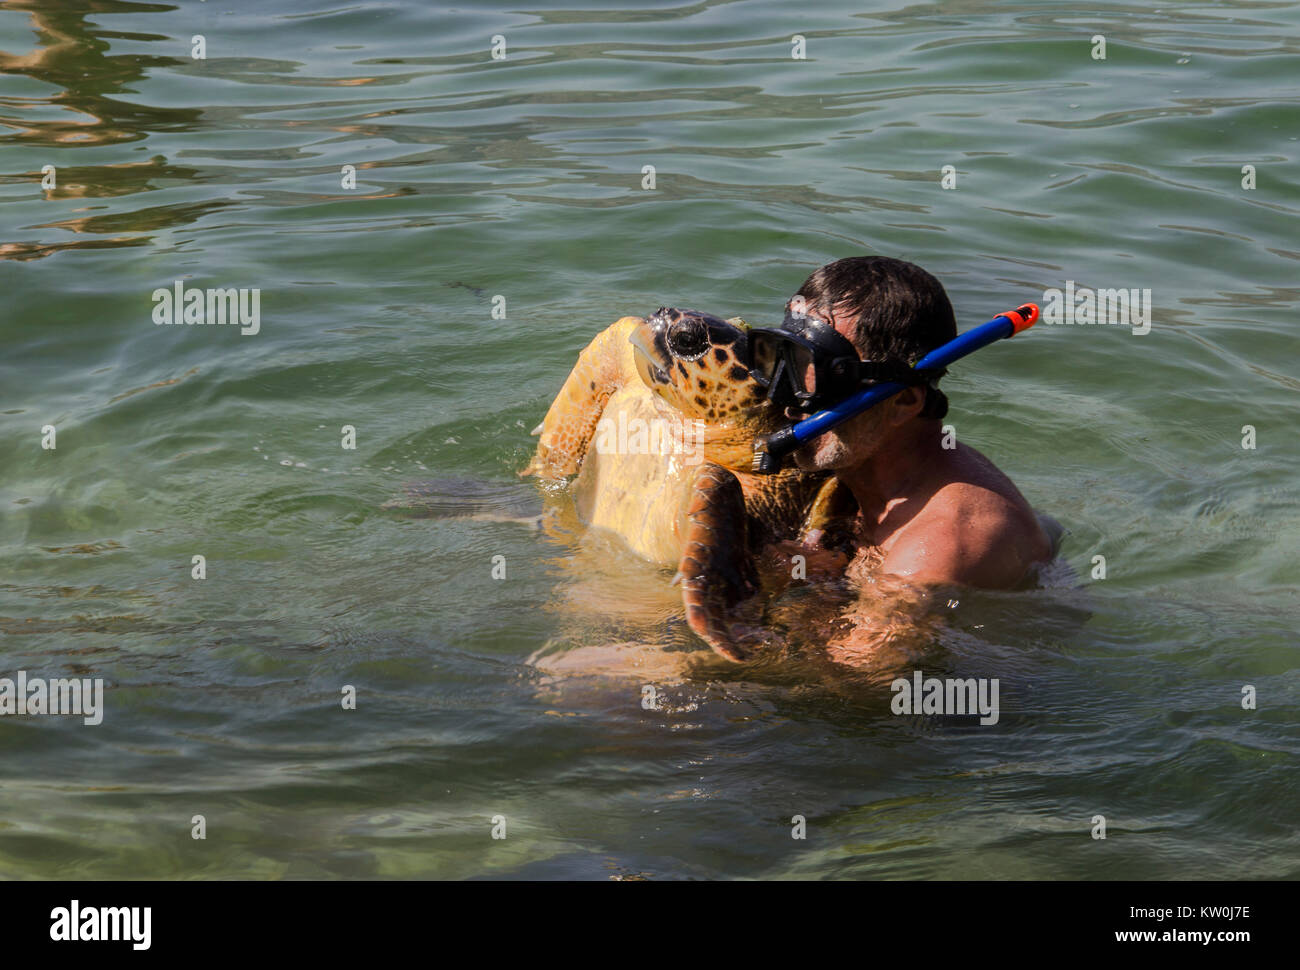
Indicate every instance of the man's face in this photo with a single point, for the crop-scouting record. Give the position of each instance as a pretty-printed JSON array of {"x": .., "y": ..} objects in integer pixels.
[
  {"x": 854, "y": 441},
  {"x": 850, "y": 444}
]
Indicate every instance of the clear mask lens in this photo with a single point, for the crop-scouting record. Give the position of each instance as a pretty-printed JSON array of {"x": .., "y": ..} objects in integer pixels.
[{"x": 802, "y": 370}]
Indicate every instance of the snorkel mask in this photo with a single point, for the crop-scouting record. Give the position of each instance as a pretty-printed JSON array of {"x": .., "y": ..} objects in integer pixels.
[
  {"x": 786, "y": 362},
  {"x": 807, "y": 365}
]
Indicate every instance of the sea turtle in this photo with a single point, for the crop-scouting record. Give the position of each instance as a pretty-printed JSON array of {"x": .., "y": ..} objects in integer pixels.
[{"x": 658, "y": 420}]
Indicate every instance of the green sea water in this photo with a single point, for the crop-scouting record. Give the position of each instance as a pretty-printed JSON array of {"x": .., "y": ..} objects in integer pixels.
[{"x": 523, "y": 178}]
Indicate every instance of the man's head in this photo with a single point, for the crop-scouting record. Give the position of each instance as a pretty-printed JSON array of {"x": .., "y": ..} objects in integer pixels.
[{"x": 892, "y": 312}]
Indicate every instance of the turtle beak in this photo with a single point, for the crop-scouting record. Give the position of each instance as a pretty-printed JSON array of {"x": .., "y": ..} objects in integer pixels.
[{"x": 647, "y": 340}]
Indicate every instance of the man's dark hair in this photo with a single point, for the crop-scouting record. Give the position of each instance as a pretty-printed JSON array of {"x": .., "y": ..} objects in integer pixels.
[{"x": 900, "y": 311}]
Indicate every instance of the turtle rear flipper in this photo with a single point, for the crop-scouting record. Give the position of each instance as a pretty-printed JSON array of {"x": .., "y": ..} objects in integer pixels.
[
  {"x": 603, "y": 367},
  {"x": 717, "y": 570},
  {"x": 486, "y": 501}
]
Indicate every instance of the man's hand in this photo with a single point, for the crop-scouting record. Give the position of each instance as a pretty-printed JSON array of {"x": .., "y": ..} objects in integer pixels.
[{"x": 819, "y": 564}]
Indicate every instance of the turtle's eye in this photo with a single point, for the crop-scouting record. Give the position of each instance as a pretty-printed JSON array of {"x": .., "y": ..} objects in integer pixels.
[{"x": 688, "y": 338}]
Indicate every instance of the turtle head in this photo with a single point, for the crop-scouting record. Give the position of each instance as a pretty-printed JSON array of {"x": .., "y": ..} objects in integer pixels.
[{"x": 695, "y": 363}]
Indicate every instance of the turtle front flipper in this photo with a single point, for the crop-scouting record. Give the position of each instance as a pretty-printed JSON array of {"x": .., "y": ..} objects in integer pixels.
[
  {"x": 717, "y": 569},
  {"x": 602, "y": 368},
  {"x": 832, "y": 517}
]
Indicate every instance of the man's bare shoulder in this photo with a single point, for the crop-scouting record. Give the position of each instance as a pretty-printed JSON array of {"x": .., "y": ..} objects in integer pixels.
[{"x": 976, "y": 529}]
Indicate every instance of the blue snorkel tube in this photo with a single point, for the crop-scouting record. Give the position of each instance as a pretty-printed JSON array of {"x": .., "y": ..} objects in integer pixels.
[{"x": 769, "y": 451}]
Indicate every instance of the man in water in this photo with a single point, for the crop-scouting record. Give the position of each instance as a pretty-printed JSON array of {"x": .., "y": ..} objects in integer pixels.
[{"x": 933, "y": 510}]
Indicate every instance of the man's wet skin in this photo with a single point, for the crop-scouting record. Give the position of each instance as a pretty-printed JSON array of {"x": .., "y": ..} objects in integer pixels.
[
  {"x": 931, "y": 519},
  {"x": 928, "y": 513}
]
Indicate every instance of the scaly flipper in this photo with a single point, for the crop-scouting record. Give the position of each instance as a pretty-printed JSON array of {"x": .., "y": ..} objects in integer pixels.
[
  {"x": 717, "y": 570},
  {"x": 485, "y": 501},
  {"x": 831, "y": 518},
  {"x": 602, "y": 368}
]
